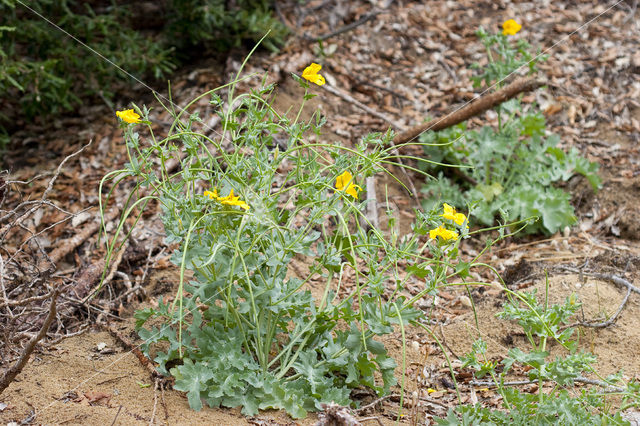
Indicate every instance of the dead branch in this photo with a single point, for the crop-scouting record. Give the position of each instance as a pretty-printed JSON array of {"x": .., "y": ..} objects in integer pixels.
[
  {"x": 116, "y": 417},
  {"x": 614, "y": 279},
  {"x": 22, "y": 302},
  {"x": 113, "y": 268},
  {"x": 472, "y": 109},
  {"x": 34, "y": 236},
  {"x": 43, "y": 199},
  {"x": 607, "y": 277},
  {"x": 16, "y": 368},
  {"x": 364, "y": 408},
  {"x": 372, "y": 207},
  {"x": 155, "y": 401}
]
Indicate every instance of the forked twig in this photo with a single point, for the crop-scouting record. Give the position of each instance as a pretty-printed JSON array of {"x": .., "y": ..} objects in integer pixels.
[
  {"x": 43, "y": 199},
  {"x": 608, "y": 277},
  {"x": 603, "y": 324}
]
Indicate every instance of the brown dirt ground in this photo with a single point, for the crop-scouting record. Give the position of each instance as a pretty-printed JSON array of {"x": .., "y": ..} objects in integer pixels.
[{"x": 591, "y": 109}]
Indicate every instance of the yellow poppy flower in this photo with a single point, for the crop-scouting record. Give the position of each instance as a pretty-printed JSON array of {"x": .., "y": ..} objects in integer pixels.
[
  {"x": 343, "y": 183},
  {"x": 510, "y": 27},
  {"x": 450, "y": 213},
  {"x": 129, "y": 116},
  {"x": 212, "y": 195},
  {"x": 443, "y": 233},
  {"x": 311, "y": 73},
  {"x": 231, "y": 200}
]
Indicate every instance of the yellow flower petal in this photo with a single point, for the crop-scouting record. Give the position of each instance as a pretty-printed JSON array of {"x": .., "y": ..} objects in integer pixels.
[
  {"x": 510, "y": 27},
  {"x": 311, "y": 73},
  {"x": 343, "y": 180},
  {"x": 317, "y": 79},
  {"x": 353, "y": 190},
  {"x": 212, "y": 195},
  {"x": 443, "y": 233},
  {"x": 232, "y": 200},
  {"x": 450, "y": 214},
  {"x": 312, "y": 69},
  {"x": 343, "y": 183},
  {"x": 128, "y": 116}
]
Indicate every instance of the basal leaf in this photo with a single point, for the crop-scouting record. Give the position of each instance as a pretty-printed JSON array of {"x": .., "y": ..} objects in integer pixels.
[{"x": 192, "y": 378}]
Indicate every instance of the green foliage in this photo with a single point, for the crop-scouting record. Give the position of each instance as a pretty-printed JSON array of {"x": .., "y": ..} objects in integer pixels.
[
  {"x": 541, "y": 323},
  {"x": 511, "y": 168},
  {"x": 45, "y": 71},
  {"x": 504, "y": 58},
  {"x": 562, "y": 409},
  {"x": 245, "y": 331},
  {"x": 221, "y": 25}
]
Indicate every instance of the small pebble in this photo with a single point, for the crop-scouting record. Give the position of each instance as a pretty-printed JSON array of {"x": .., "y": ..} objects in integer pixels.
[{"x": 465, "y": 301}]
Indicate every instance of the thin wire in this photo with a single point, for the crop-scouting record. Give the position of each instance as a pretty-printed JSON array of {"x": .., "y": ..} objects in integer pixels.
[{"x": 168, "y": 100}]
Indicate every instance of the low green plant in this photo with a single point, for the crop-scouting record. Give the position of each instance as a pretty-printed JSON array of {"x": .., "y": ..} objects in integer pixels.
[
  {"x": 243, "y": 329},
  {"x": 556, "y": 401},
  {"x": 511, "y": 168}
]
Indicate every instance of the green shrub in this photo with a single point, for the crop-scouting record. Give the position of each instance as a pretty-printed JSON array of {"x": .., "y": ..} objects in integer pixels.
[
  {"x": 216, "y": 24},
  {"x": 49, "y": 72},
  {"x": 43, "y": 71}
]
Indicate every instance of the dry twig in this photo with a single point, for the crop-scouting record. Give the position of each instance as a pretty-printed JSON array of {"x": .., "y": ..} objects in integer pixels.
[
  {"x": 607, "y": 277},
  {"x": 362, "y": 106},
  {"x": 606, "y": 323},
  {"x": 16, "y": 368},
  {"x": 374, "y": 403},
  {"x": 476, "y": 107}
]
